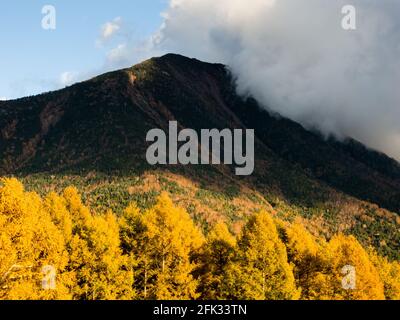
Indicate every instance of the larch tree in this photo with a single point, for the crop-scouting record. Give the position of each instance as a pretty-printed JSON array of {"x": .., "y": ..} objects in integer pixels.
[
  {"x": 389, "y": 273},
  {"x": 171, "y": 240},
  {"x": 100, "y": 269},
  {"x": 33, "y": 244},
  {"x": 348, "y": 272},
  {"x": 134, "y": 245},
  {"x": 304, "y": 253},
  {"x": 265, "y": 273},
  {"x": 215, "y": 264},
  {"x": 56, "y": 206}
]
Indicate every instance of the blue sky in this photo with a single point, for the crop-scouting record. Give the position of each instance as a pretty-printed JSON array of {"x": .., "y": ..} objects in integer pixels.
[{"x": 32, "y": 59}]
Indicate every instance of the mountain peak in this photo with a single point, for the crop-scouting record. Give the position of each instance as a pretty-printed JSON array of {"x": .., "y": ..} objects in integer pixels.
[
  {"x": 101, "y": 125},
  {"x": 180, "y": 59},
  {"x": 179, "y": 62}
]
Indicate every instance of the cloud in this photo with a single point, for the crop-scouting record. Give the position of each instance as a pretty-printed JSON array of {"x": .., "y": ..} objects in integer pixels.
[
  {"x": 3, "y": 99},
  {"x": 296, "y": 59},
  {"x": 109, "y": 29},
  {"x": 128, "y": 53},
  {"x": 68, "y": 78}
]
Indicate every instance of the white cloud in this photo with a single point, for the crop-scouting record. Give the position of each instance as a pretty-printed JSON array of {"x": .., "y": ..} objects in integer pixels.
[
  {"x": 295, "y": 58},
  {"x": 3, "y": 99},
  {"x": 118, "y": 53},
  {"x": 68, "y": 78},
  {"x": 127, "y": 53},
  {"x": 110, "y": 28}
]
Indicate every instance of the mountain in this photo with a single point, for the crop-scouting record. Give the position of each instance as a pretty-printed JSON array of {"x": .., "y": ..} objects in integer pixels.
[{"x": 92, "y": 134}]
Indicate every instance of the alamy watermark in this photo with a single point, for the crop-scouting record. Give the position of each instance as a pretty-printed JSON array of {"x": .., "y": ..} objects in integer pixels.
[
  {"x": 49, "y": 278},
  {"x": 48, "y": 272},
  {"x": 349, "y": 281},
  {"x": 186, "y": 148},
  {"x": 49, "y": 20},
  {"x": 349, "y": 21}
]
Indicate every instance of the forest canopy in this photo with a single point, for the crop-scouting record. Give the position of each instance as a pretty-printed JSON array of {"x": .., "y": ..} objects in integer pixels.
[{"x": 55, "y": 247}]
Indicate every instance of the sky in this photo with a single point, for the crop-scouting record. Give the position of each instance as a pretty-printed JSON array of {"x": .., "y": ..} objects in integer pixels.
[
  {"x": 294, "y": 56},
  {"x": 33, "y": 60}
]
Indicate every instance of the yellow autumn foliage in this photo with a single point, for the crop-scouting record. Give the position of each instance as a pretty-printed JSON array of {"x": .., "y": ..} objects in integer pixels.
[
  {"x": 389, "y": 273},
  {"x": 172, "y": 238},
  {"x": 30, "y": 241},
  {"x": 265, "y": 273},
  {"x": 305, "y": 254},
  {"x": 56, "y": 247},
  {"x": 216, "y": 260}
]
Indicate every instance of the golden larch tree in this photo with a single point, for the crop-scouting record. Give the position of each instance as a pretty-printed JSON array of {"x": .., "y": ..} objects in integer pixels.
[
  {"x": 216, "y": 261},
  {"x": 171, "y": 239},
  {"x": 348, "y": 272},
  {"x": 265, "y": 273},
  {"x": 389, "y": 273},
  {"x": 100, "y": 269},
  {"x": 30, "y": 246}
]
